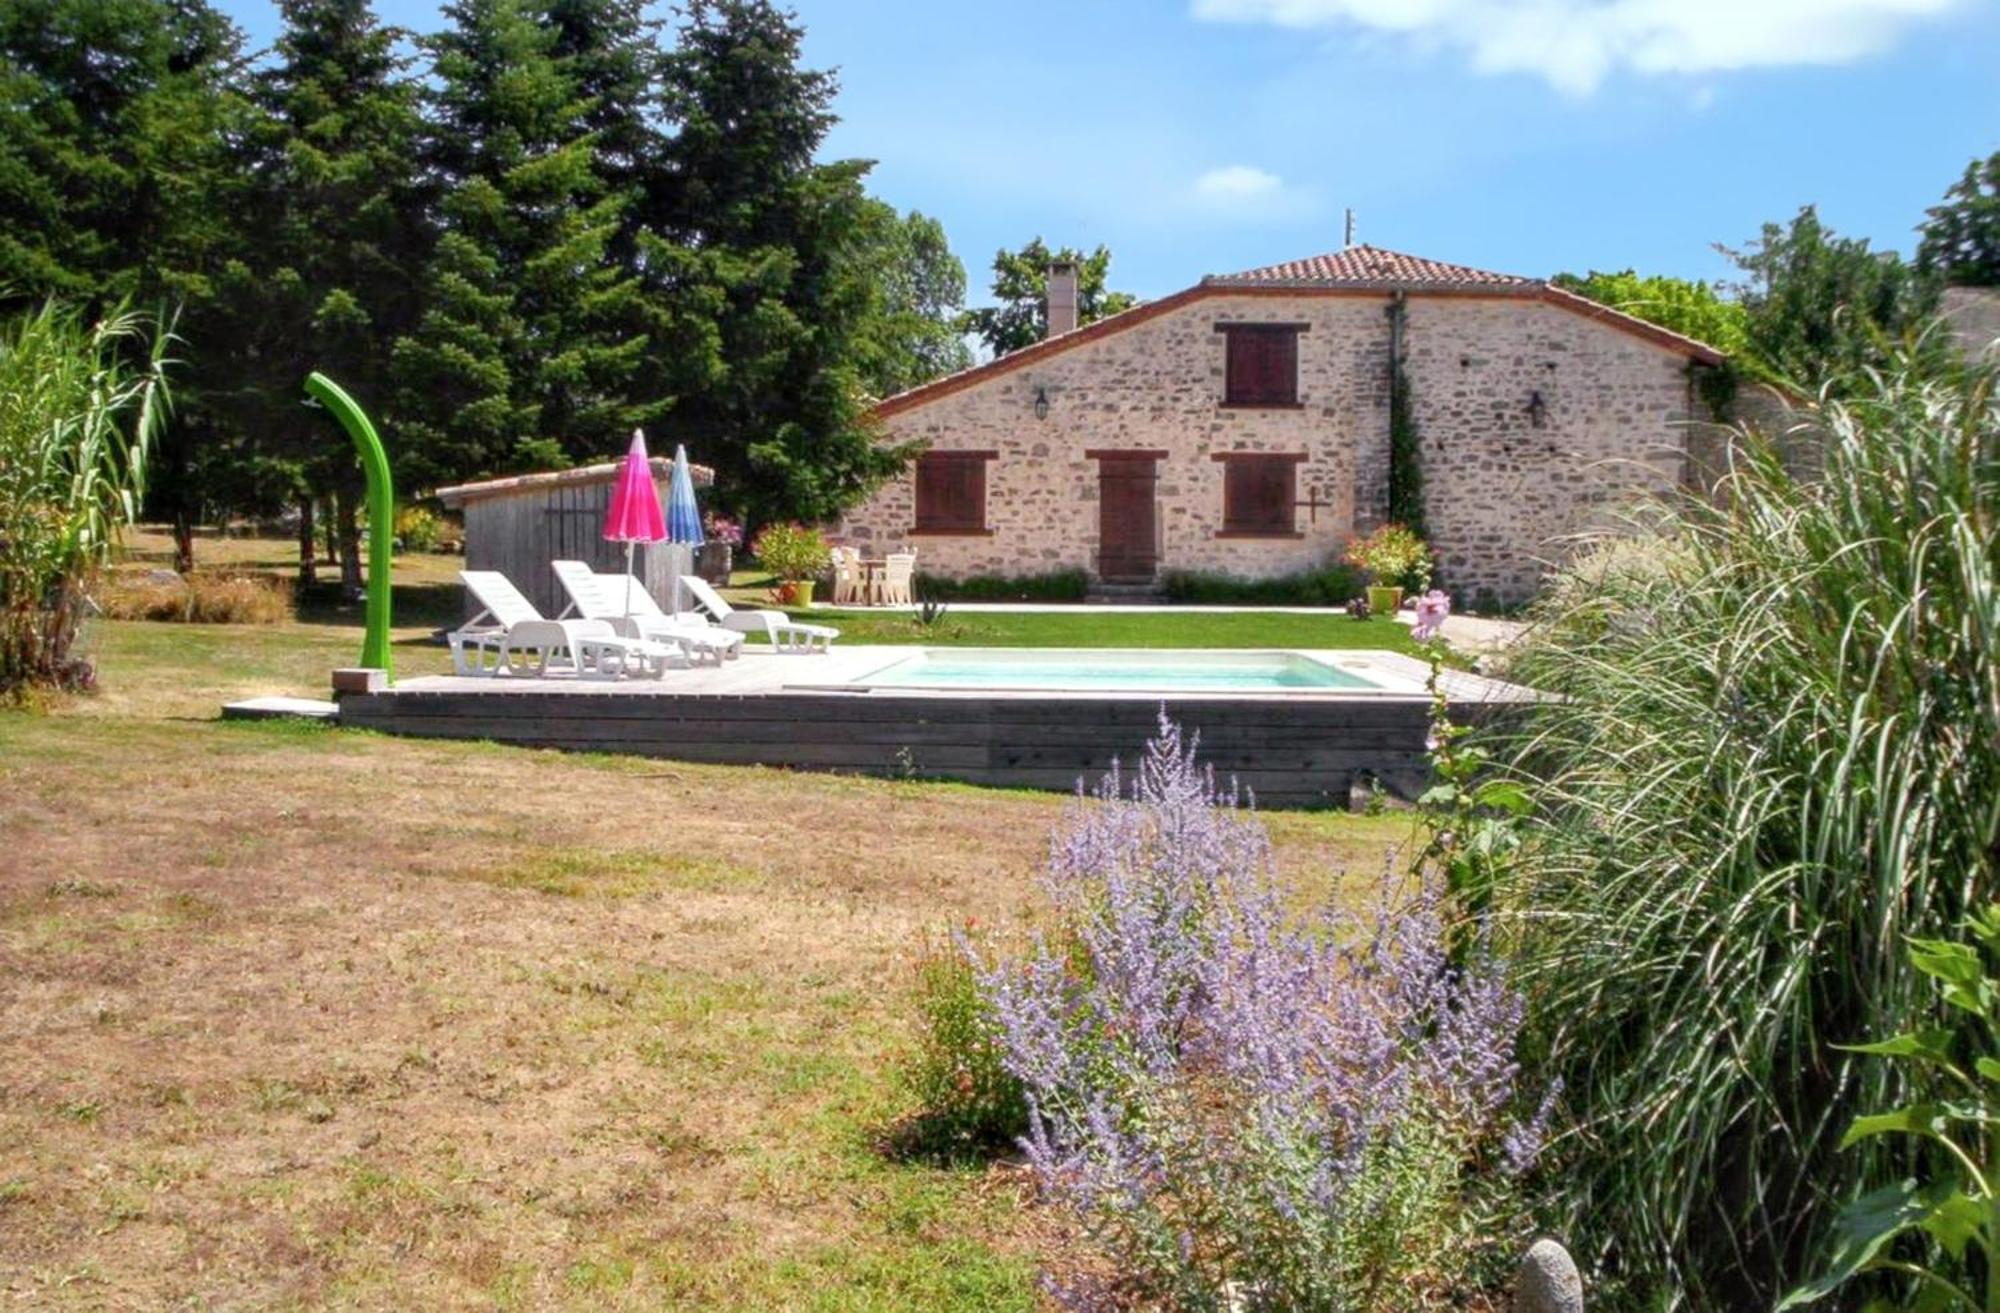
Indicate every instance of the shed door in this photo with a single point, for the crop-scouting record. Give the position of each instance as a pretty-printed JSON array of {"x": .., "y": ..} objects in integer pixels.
[{"x": 1127, "y": 527}]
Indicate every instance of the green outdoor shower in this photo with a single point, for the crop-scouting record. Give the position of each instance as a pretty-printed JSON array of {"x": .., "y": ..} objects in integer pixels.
[{"x": 381, "y": 513}]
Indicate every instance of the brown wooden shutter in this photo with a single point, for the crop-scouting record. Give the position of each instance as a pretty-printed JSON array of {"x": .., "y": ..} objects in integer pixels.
[
  {"x": 951, "y": 491},
  {"x": 1262, "y": 367}
]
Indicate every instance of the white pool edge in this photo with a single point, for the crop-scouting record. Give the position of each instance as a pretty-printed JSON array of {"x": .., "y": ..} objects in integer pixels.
[{"x": 1382, "y": 682}]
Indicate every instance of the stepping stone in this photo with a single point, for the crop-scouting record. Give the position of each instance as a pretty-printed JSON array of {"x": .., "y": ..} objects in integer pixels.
[
  {"x": 1548, "y": 1281},
  {"x": 276, "y": 708}
]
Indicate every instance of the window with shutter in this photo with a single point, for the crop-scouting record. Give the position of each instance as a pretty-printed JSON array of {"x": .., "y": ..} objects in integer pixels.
[
  {"x": 1261, "y": 364},
  {"x": 951, "y": 492},
  {"x": 1259, "y": 492}
]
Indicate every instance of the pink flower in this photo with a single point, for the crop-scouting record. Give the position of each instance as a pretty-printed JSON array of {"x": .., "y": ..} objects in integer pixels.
[{"x": 1432, "y": 608}]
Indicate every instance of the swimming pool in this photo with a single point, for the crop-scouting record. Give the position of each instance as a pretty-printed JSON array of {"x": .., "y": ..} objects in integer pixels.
[{"x": 1092, "y": 670}]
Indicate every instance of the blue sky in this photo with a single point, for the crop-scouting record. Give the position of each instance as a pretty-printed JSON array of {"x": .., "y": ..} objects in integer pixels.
[{"x": 1529, "y": 136}]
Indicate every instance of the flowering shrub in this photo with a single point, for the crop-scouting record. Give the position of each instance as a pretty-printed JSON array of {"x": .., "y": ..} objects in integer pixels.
[
  {"x": 792, "y": 551},
  {"x": 719, "y": 528},
  {"x": 1392, "y": 555},
  {"x": 1241, "y": 1103},
  {"x": 1433, "y": 609},
  {"x": 419, "y": 529},
  {"x": 1473, "y": 814}
]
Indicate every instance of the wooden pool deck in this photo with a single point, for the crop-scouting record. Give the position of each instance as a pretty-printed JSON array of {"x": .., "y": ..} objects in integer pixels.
[{"x": 790, "y": 710}]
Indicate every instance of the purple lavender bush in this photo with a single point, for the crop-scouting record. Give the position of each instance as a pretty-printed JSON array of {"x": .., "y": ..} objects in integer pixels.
[{"x": 1245, "y": 1105}]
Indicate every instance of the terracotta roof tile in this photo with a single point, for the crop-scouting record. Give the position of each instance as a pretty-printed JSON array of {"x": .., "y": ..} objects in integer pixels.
[{"x": 1372, "y": 267}]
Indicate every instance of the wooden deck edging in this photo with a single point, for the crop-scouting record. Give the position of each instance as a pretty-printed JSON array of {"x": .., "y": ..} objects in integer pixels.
[
  {"x": 1307, "y": 754},
  {"x": 1290, "y": 751}
]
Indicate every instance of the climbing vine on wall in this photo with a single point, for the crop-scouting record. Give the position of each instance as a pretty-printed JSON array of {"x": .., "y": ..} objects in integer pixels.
[{"x": 1406, "y": 469}]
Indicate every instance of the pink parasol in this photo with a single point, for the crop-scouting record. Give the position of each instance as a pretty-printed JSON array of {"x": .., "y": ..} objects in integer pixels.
[{"x": 634, "y": 515}]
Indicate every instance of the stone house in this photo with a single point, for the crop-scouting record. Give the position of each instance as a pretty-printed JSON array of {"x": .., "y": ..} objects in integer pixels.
[{"x": 1242, "y": 427}]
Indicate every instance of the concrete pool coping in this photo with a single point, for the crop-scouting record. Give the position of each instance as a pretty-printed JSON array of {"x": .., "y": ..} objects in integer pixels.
[{"x": 761, "y": 671}]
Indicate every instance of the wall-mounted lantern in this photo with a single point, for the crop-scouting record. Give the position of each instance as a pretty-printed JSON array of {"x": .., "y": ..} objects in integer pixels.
[
  {"x": 1041, "y": 403},
  {"x": 1538, "y": 409}
]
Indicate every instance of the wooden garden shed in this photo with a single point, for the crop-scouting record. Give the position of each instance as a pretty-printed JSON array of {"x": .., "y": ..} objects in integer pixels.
[{"x": 518, "y": 524}]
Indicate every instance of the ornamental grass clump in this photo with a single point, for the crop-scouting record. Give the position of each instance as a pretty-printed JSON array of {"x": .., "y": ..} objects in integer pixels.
[
  {"x": 1775, "y": 757},
  {"x": 1245, "y": 1103},
  {"x": 80, "y": 402}
]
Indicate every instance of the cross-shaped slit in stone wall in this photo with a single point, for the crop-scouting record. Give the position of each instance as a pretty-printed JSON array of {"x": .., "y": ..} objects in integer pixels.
[{"x": 1312, "y": 503}]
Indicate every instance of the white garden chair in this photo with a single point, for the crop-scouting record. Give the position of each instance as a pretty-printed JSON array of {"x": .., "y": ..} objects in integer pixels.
[
  {"x": 848, "y": 585},
  {"x": 896, "y": 586}
]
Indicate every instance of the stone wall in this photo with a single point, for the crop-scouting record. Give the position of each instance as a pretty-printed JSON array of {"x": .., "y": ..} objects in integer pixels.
[
  {"x": 1502, "y": 493},
  {"x": 1974, "y": 316},
  {"x": 1508, "y": 497}
]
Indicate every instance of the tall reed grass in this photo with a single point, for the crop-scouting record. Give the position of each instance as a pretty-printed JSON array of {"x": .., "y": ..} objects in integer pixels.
[
  {"x": 1778, "y": 756},
  {"x": 80, "y": 402}
]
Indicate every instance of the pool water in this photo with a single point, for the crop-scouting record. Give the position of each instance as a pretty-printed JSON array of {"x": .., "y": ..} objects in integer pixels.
[{"x": 1090, "y": 670}]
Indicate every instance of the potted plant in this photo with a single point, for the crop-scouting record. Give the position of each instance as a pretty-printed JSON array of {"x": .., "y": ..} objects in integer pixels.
[
  {"x": 1391, "y": 555},
  {"x": 715, "y": 557},
  {"x": 795, "y": 553}
]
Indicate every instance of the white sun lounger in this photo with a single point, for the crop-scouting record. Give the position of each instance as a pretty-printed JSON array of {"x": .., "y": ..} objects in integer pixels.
[
  {"x": 631, "y": 611},
  {"x": 785, "y": 633},
  {"x": 510, "y": 637}
]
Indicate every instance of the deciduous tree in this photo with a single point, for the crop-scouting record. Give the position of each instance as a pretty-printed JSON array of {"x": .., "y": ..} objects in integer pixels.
[
  {"x": 1961, "y": 237},
  {"x": 1020, "y": 286},
  {"x": 1819, "y": 306},
  {"x": 917, "y": 333},
  {"x": 1681, "y": 305}
]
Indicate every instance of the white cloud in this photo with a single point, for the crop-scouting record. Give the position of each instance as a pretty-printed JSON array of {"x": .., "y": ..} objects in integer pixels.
[
  {"x": 1576, "y": 44},
  {"x": 1238, "y": 184}
]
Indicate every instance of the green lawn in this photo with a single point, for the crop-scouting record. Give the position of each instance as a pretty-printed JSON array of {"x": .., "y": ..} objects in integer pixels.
[{"x": 1085, "y": 626}]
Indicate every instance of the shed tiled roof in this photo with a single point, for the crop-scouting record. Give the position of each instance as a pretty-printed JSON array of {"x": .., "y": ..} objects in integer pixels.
[{"x": 1369, "y": 268}]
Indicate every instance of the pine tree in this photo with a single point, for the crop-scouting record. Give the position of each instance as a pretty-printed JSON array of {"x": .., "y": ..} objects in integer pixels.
[
  {"x": 117, "y": 181},
  {"x": 328, "y": 278},
  {"x": 776, "y": 248},
  {"x": 114, "y": 121},
  {"x": 522, "y": 356},
  {"x": 610, "y": 52}
]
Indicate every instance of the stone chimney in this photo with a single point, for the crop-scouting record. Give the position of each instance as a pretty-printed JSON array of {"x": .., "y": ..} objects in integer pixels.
[{"x": 1061, "y": 297}]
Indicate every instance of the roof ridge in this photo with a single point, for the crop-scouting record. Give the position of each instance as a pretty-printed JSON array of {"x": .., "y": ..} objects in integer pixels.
[{"x": 1365, "y": 265}]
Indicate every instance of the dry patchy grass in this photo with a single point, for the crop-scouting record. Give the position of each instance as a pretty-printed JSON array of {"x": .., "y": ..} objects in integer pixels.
[{"x": 312, "y": 1017}]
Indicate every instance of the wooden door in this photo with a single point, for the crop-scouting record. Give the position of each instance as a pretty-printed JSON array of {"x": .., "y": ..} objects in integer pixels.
[{"x": 1127, "y": 523}]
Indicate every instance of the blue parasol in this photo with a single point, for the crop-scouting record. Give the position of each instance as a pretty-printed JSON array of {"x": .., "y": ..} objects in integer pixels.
[{"x": 683, "y": 516}]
